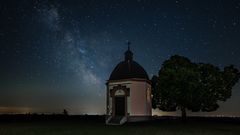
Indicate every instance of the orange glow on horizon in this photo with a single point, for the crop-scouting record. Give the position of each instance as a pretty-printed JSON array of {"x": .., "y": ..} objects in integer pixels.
[{"x": 15, "y": 110}]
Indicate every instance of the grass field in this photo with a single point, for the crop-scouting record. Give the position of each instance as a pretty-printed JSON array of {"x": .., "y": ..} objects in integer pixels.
[{"x": 98, "y": 128}]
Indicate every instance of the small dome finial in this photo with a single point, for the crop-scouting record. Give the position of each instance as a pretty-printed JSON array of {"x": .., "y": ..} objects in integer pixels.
[
  {"x": 128, "y": 53},
  {"x": 128, "y": 43}
]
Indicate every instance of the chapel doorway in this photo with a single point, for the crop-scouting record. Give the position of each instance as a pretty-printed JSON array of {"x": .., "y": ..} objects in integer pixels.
[{"x": 120, "y": 106}]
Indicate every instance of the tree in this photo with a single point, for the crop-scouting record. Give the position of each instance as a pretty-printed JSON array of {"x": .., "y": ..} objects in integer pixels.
[
  {"x": 65, "y": 112},
  {"x": 184, "y": 85}
]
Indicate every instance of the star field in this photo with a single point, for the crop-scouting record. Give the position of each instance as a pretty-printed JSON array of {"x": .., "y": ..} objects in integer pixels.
[{"x": 59, "y": 54}]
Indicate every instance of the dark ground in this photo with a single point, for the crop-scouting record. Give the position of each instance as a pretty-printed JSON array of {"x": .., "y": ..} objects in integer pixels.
[{"x": 87, "y": 125}]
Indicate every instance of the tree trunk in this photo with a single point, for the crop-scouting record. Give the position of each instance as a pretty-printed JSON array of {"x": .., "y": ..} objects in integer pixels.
[{"x": 184, "y": 114}]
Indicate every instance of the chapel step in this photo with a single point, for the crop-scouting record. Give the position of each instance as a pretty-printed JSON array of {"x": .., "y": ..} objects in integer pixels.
[{"x": 116, "y": 120}]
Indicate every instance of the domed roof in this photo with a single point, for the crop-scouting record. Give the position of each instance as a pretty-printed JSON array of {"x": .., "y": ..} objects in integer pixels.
[{"x": 128, "y": 69}]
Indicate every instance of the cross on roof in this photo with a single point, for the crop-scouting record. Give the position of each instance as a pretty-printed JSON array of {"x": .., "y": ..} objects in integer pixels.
[{"x": 128, "y": 43}]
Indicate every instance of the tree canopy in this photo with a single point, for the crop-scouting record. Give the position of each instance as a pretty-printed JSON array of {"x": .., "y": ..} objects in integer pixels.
[{"x": 184, "y": 85}]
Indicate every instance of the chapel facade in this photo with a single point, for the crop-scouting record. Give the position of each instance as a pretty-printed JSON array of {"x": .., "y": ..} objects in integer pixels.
[{"x": 128, "y": 92}]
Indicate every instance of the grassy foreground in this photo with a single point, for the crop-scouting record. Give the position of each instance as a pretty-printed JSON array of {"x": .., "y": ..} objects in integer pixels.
[{"x": 98, "y": 128}]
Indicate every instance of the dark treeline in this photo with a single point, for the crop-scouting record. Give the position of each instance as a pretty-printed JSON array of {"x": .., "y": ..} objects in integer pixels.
[{"x": 50, "y": 117}]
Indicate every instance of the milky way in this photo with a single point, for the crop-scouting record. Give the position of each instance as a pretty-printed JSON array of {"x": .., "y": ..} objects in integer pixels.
[{"x": 59, "y": 54}]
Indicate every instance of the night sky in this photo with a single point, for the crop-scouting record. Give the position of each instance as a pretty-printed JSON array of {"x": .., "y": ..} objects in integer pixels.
[{"x": 58, "y": 54}]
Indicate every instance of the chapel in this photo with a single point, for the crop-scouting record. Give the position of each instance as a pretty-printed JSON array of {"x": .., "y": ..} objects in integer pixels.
[{"x": 128, "y": 92}]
